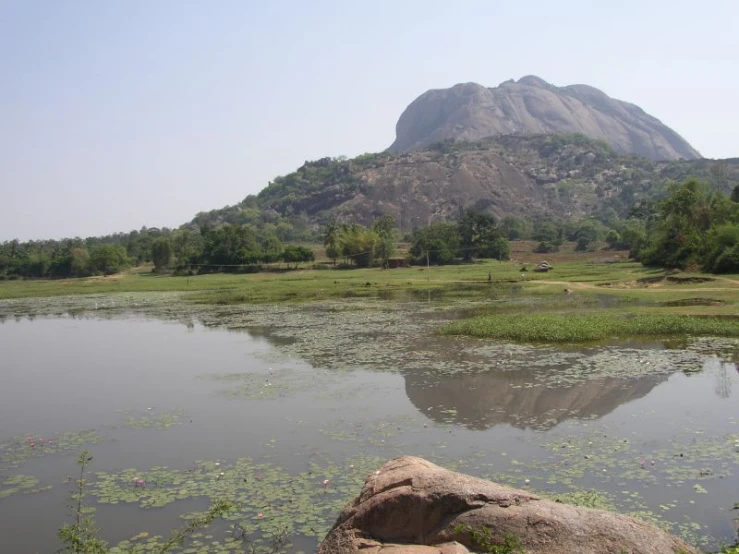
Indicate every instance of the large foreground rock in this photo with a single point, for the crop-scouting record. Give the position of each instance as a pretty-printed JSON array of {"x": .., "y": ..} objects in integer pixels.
[{"x": 411, "y": 506}]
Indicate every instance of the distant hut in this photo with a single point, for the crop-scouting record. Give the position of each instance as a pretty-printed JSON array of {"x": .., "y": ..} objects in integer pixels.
[{"x": 543, "y": 267}]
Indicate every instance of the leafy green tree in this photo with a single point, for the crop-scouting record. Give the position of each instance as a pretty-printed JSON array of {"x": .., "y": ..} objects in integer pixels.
[
  {"x": 679, "y": 235},
  {"x": 610, "y": 217},
  {"x": 440, "y": 241},
  {"x": 514, "y": 228},
  {"x": 384, "y": 228},
  {"x": 633, "y": 236},
  {"x": 644, "y": 210},
  {"x": 613, "y": 239},
  {"x": 35, "y": 265},
  {"x": 587, "y": 233},
  {"x": 187, "y": 247},
  {"x": 480, "y": 237},
  {"x": 79, "y": 262},
  {"x": 359, "y": 244},
  {"x": 546, "y": 231},
  {"x": 723, "y": 249},
  {"x": 231, "y": 246},
  {"x": 108, "y": 259},
  {"x": 285, "y": 231},
  {"x": 296, "y": 255},
  {"x": 331, "y": 240},
  {"x": 545, "y": 247},
  {"x": 270, "y": 246},
  {"x": 162, "y": 253}
]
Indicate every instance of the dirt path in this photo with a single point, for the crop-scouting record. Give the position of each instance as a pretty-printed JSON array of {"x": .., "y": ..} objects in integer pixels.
[{"x": 734, "y": 281}]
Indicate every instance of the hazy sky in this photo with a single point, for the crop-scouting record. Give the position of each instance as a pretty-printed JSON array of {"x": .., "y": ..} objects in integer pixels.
[{"x": 118, "y": 114}]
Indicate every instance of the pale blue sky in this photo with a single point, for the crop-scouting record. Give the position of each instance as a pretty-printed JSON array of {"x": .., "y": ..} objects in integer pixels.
[{"x": 118, "y": 114}]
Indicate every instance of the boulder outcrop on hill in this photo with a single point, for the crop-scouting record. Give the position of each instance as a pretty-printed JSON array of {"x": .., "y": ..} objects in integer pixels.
[{"x": 530, "y": 105}]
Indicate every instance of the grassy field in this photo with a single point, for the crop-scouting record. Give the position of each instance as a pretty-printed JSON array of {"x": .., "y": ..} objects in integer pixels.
[{"x": 588, "y": 296}]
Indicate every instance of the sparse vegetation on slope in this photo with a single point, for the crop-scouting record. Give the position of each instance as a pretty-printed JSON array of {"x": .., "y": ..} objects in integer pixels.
[{"x": 565, "y": 176}]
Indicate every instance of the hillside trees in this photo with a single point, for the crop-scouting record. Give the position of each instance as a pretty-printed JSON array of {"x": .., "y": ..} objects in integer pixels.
[
  {"x": 549, "y": 234},
  {"x": 439, "y": 241},
  {"x": 695, "y": 226},
  {"x": 480, "y": 237},
  {"x": 358, "y": 244},
  {"x": 474, "y": 235},
  {"x": 515, "y": 228},
  {"x": 678, "y": 238},
  {"x": 230, "y": 246},
  {"x": 587, "y": 233}
]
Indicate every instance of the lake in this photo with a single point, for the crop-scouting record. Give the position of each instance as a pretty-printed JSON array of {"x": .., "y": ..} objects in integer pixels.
[{"x": 287, "y": 408}]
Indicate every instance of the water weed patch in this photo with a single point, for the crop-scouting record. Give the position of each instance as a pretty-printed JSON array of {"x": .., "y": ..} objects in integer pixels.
[{"x": 580, "y": 328}]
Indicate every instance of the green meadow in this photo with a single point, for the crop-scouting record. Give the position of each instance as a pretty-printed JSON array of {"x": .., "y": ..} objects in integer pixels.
[{"x": 586, "y": 297}]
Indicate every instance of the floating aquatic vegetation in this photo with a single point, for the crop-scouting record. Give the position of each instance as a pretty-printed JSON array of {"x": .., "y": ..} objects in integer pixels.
[
  {"x": 23, "y": 484},
  {"x": 375, "y": 433},
  {"x": 269, "y": 499},
  {"x": 152, "y": 419},
  {"x": 279, "y": 383},
  {"x": 599, "y": 459},
  {"x": 14, "y": 451},
  {"x": 585, "y": 499}
]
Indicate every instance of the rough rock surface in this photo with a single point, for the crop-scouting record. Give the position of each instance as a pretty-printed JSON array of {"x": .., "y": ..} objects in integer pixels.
[
  {"x": 411, "y": 506},
  {"x": 532, "y": 106}
]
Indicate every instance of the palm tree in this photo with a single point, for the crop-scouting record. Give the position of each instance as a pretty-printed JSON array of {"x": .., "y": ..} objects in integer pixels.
[{"x": 331, "y": 240}]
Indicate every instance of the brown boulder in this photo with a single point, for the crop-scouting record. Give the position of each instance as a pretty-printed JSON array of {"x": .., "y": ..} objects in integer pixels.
[{"x": 411, "y": 506}]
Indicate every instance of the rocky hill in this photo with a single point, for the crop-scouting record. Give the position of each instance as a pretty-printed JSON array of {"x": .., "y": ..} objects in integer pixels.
[
  {"x": 562, "y": 176},
  {"x": 532, "y": 106}
]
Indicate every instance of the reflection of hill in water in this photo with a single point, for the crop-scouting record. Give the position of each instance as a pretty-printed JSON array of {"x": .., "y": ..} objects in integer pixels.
[
  {"x": 479, "y": 397},
  {"x": 484, "y": 400}
]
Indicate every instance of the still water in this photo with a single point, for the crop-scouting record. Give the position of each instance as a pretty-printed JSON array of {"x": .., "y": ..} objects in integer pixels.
[{"x": 315, "y": 403}]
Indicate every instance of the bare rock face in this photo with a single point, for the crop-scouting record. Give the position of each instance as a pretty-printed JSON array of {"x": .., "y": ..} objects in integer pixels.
[
  {"x": 411, "y": 506},
  {"x": 532, "y": 106}
]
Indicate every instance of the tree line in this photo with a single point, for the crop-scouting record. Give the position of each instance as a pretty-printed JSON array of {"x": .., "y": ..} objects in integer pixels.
[
  {"x": 236, "y": 248},
  {"x": 474, "y": 235},
  {"x": 229, "y": 248},
  {"x": 694, "y": 226}
]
